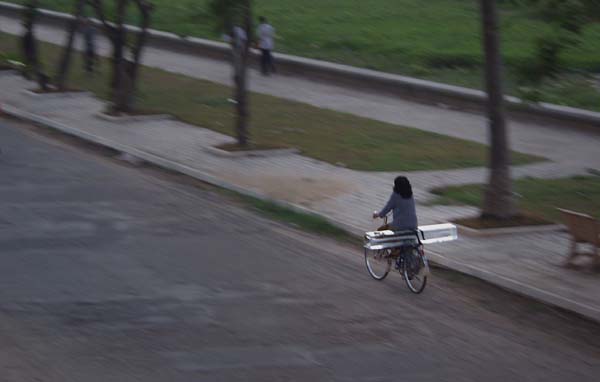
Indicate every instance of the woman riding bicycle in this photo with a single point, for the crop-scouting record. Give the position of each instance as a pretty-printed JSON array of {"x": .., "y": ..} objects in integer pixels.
[{"x": 402, "y": 204}]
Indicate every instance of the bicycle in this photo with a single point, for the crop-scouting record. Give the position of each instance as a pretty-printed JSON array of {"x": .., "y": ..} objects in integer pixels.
[{"x": 404, "y": 250}]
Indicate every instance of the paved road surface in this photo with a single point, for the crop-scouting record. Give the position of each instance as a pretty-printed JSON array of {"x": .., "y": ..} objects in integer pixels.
[{"x": 113, "y": 273}]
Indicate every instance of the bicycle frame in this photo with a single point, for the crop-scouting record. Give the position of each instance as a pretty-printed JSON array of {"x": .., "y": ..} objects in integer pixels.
[
  {"x": 406, "y": 249},
  {"x": 398, "y": 242}
]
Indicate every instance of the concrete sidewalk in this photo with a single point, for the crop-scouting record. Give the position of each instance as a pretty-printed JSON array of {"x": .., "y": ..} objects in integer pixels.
[{"x": 527, "y": 263}]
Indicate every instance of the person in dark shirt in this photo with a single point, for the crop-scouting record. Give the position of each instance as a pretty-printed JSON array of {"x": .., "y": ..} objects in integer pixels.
[{"x": 402, "y": 204}]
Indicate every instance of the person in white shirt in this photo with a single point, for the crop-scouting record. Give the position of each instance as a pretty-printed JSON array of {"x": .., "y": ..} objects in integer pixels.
[{"x": 266, "y": 44}]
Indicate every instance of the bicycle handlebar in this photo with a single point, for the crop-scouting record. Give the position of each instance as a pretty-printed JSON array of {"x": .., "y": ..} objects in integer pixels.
[{"x": 385, "y": 218}]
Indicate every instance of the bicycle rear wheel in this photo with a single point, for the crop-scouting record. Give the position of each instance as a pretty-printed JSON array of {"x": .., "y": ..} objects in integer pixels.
[
  {"x": 379, "y": 263},
  {"x": 415, "y": 270}
]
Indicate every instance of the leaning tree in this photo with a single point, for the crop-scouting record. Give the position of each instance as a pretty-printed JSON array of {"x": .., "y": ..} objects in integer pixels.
[
  {"x": 65, "y": 60},
  {"x": 566, "y": 18}
]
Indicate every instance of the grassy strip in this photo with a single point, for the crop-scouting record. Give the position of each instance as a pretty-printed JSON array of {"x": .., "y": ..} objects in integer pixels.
[
  {"x": 437, "y": 39},
  {"x": 234, "y": 147},
  {"x": 305, "y": 221},
  {"x": 539, "y": 197},
  {"x": 334, "y": 137}
]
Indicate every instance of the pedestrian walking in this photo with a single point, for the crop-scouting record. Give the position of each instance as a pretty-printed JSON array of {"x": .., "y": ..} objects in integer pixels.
[
  {"x": 266, "y": 44},
  {"x": 89, "y": 40}
]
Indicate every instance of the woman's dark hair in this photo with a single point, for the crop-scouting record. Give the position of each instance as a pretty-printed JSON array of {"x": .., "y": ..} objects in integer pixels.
[{"x": 402, "y": 187}]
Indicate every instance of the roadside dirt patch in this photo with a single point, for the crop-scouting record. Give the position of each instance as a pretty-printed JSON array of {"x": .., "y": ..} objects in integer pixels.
[{"x": 299, "y": 190}]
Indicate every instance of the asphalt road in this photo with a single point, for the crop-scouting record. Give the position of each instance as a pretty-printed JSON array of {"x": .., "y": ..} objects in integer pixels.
[{"x": 110, "y": 272}]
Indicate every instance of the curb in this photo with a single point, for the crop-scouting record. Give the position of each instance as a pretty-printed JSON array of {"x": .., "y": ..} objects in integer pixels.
[
  {"x": 6, "y": 72},
  {"x": 134, "y": 118},
  {"x": 518, "y": 287},
  {"x": 56, "y": 95},
  {"x": 514, "y": 286},
  {"x": 424, "y": 91},
  {"x": 251, "y": 153}
]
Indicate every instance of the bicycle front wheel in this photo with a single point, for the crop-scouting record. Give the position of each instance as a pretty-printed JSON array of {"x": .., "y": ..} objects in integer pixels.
[
  {"x": 415, "y": 270},
  {"x": 379, "y": 263}
]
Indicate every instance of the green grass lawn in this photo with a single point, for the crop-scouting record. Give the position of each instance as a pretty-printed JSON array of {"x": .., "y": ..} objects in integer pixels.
[
  {"x": 334, "y": 137},
  {"x": 539, "y": 197},
  {"x": 435, "y": 39}
]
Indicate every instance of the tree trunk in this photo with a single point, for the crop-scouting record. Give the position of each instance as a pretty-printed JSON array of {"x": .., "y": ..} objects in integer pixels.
[
  {"x": 29, "y": 45},
  {"x": 30, "y": 49},
  {"x": 122, "y": 101},
  {"x": 116, "y": 34},
  {"x": 129, "y": 68},
  {"x": 145, "y": 9},
  {"x": 119, "y": 42},
  {"x": 241, "y": 50},
  {"x": 242, "y": 105},
  {"x": 498, "y": 199},
  {"x": 65, "y": 61},
  {"x": 120, "y": 81}
]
